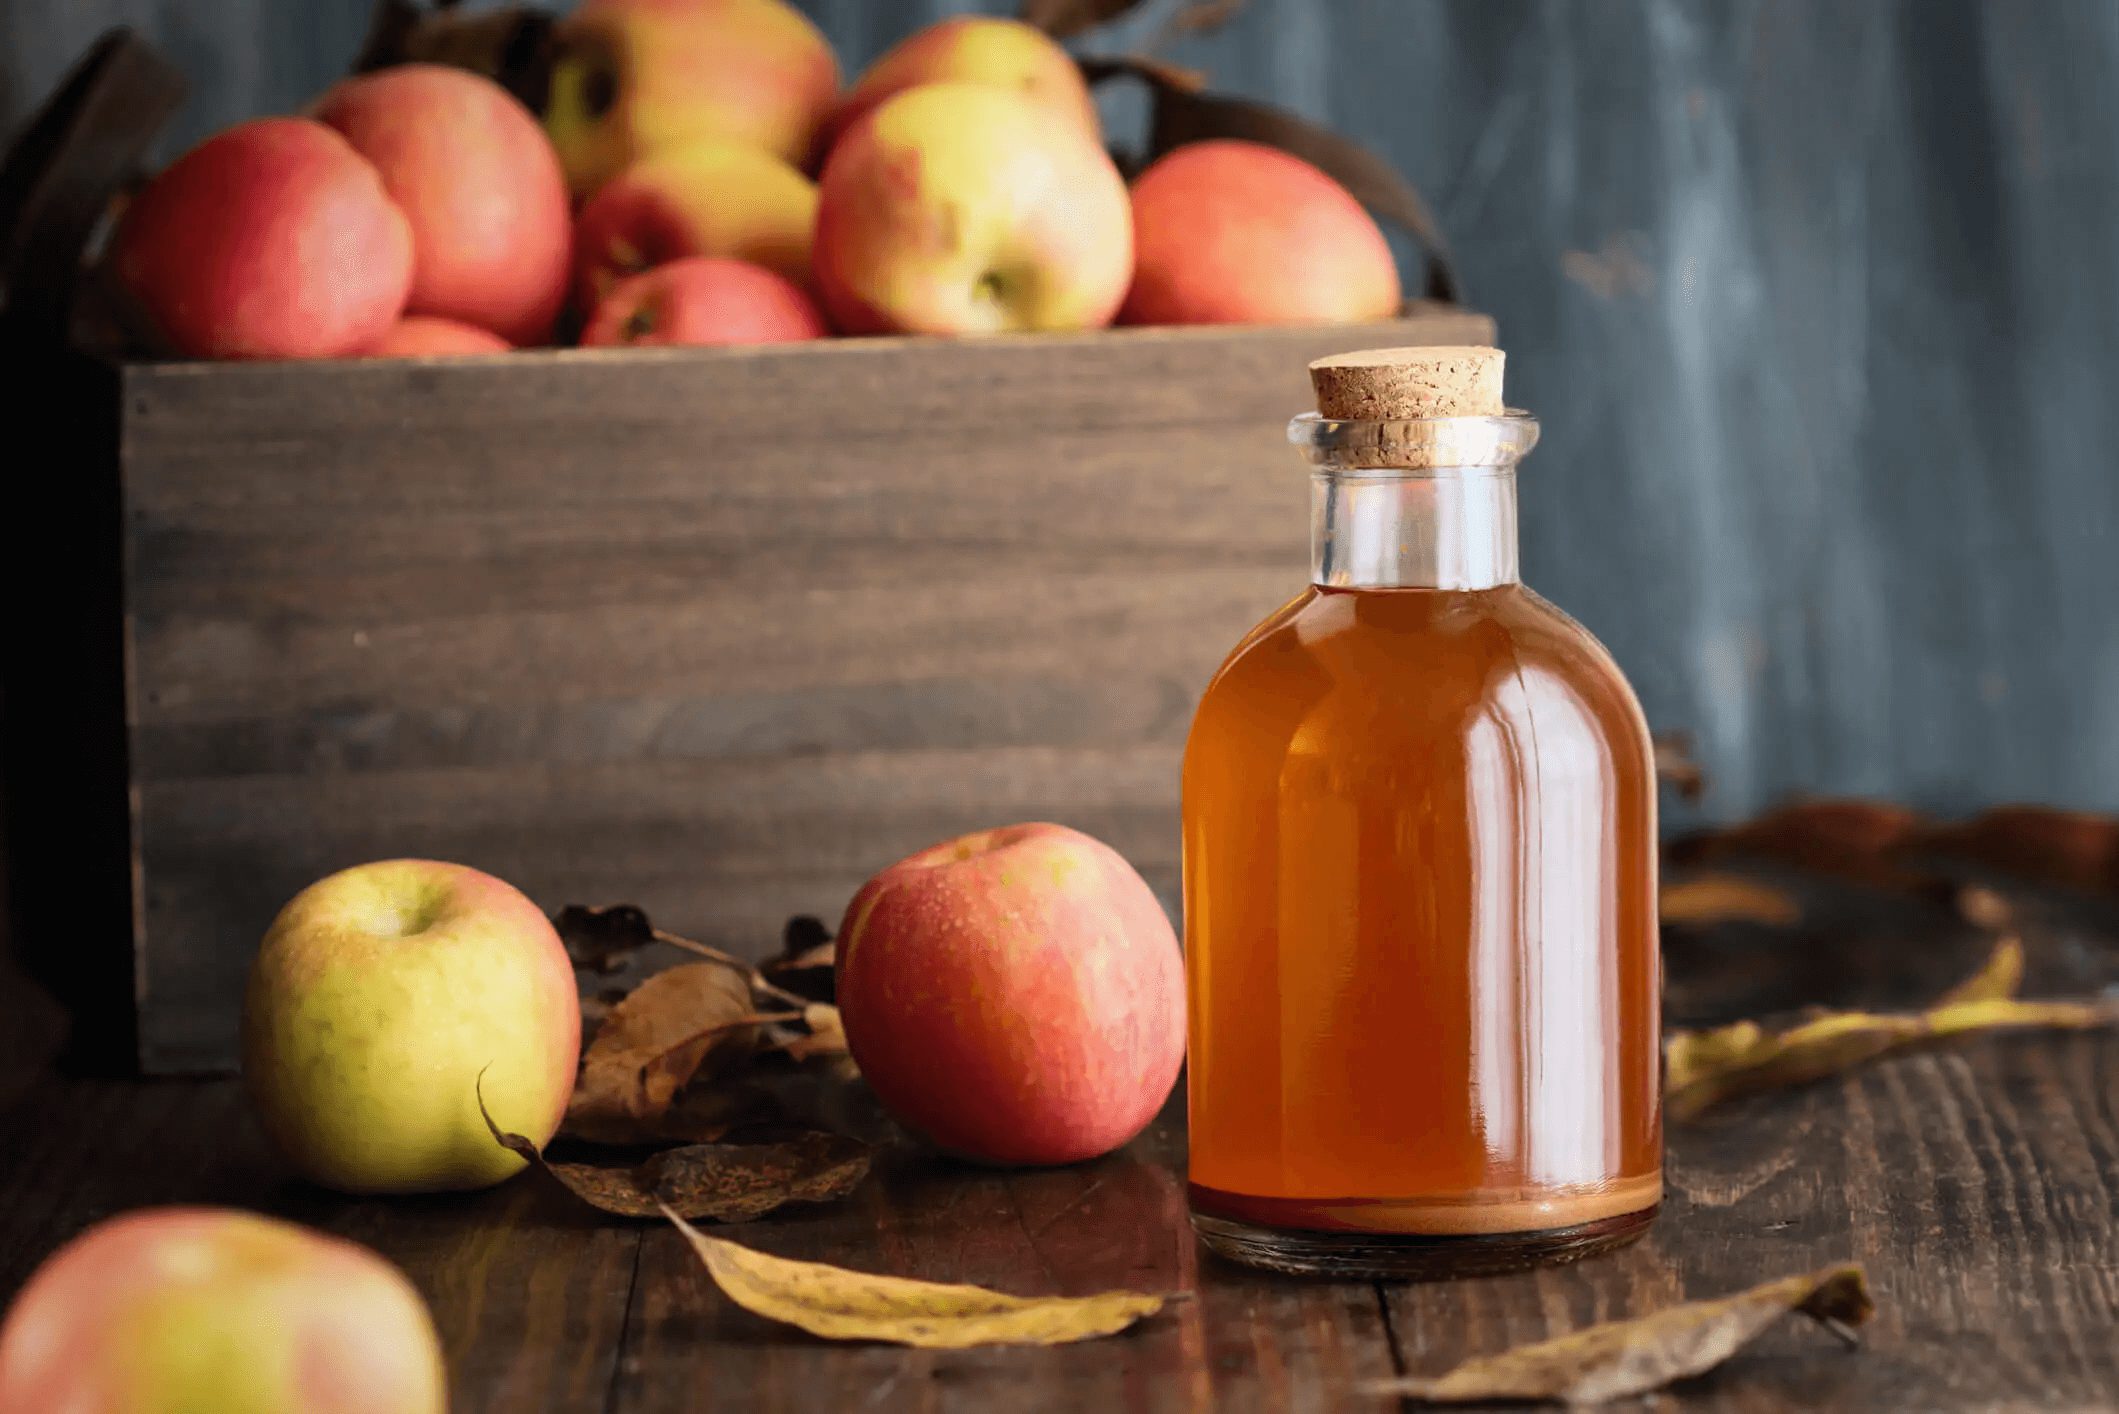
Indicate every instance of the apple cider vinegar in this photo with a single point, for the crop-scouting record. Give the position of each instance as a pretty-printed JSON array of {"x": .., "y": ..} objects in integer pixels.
[{"x": 1419, "y": 858}]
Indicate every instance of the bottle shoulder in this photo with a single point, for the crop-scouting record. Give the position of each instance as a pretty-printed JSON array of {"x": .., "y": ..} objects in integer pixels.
[{"x": 1386, "y": 664}]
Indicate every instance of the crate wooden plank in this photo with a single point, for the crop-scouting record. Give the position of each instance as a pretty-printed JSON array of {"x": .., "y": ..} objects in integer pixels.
[{"x": 718, "y": 632}]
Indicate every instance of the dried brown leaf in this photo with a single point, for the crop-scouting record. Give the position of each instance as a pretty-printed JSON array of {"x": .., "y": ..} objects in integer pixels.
[
  {"x": 727, "y": 1182},
  {"x": 1063, "y": 19},
  {"x": 1847, "y": 838},
  {"x": 1620, "y": 1359},
  {"x": 1889, "y": 846},
  {"x": 1708, "y": 899},
  {"x": 2071, "y": 848},
  {"x": 845, "y": 1305},
  {"x": 1704, "y": 1068},
  {"x": 689, "y": 1021}
]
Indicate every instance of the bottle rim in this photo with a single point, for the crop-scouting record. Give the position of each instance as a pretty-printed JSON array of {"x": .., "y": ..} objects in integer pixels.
[{"x": 1414, "y": 445}]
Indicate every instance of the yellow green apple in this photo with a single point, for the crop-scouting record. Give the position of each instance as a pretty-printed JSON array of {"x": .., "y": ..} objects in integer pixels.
[
  {"x": 383, "y": 1001},
  {"x": 976, "y": 49},
  {"x": 211, "y": 1309},
  {"x": 703, "y": 197},
  {"x": 631, "y": 76},
  {"x": 960, "y": 208}
]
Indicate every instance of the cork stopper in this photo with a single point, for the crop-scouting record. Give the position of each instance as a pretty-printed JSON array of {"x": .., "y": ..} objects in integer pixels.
[{"x": 1381, "y": 385}]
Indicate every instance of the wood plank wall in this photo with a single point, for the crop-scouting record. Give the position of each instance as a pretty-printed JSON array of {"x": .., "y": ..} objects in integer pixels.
[{"x": 1819, "y": 302}]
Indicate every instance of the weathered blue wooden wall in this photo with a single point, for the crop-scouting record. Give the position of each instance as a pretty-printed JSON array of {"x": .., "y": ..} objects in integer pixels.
[{"x": 1819, "y": 301}]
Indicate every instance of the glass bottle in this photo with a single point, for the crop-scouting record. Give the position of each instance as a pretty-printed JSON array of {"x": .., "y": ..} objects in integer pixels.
[{"x": 1420, "y": 874}]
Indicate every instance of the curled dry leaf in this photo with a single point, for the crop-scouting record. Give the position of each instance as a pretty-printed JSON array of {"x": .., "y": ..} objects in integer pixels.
[
  {"x": 1708, "y": 899},
  {"x": 1620, "y": 1359},
  {"x": 843, "y": 1305},
  {"x": 693, "y": 1019},
  {"x": 728, "y": 1182},
  {"x": 1704, "y": 1068}
]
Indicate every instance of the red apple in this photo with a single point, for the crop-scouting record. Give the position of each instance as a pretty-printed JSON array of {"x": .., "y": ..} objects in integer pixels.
[
  {"x": 478, "y": 179},
  {"x": 423, "y": 336},
  {"x": 633, "y": 76},
  {"x": 704, "y": 301},
  {"x": 958, "y": 208},
  {"x": 976, "y": 49},
  {"x": 273, "y": 239},
  {"x": 1016, "y": 996},
  {"x": 698, "y": 198},
  {"x": 212, "y": 1309},
  {"x": 384, "y": 1002},
  {"x": 1230, "y": 232}
]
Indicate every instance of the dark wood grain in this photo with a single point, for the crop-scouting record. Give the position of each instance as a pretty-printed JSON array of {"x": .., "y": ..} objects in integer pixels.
[
  {"x": 717, "y": 632},
  {"x": 1976, "y": 1183}
]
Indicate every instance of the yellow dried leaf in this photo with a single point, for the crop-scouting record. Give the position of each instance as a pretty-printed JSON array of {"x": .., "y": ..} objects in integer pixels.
[
  {"x": 1707, "y": 899},
  {"x": 1997, "y": 979},
  {"x": 1704, "y": 1068},
  {"x": 842, "y": 1305},
  {"x": 1620, "y": 1359},
  {"x": 674, "y": 1026}
]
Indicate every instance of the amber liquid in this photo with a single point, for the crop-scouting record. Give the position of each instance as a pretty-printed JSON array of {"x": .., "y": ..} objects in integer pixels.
[{"x": 1419, "y": 839}]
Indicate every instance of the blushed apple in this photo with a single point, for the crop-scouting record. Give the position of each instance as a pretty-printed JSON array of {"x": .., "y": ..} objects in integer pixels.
[
  {"x": 696, "y": 198},
  {"x": 1230, "y": 232},
  {"x": 1015, "y": 996},
  {"x": 983, "y": 49},
  {"x": 213, "y": 1309},
  {"x": 704, "y": 301},
  {"x": 958, "y": 208},
  {"x": 423, "y": 336},
  {"x": 272, "y": 239},
  {"x": 633, "y": 76},
  {"x": 478, "y": 180},
  {"x": 379, "y": 998}
]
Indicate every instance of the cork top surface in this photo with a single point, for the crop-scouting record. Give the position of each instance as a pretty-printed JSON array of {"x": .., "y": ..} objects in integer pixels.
[{"x": 1382, "y": 385}]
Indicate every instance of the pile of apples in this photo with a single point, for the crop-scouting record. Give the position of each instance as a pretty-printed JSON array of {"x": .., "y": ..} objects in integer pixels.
[{"x": 700, "y": 177}]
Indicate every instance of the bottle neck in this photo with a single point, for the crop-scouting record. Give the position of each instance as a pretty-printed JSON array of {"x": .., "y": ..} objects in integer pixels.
[{"x": 1446, "y": 528}]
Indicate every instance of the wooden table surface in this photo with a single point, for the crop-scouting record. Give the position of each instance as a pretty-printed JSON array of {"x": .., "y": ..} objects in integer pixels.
[{"x": 1977, "y": 1184}]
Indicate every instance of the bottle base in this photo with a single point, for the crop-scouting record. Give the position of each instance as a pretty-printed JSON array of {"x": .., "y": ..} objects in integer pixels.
[{"x": 1372, "y": 1256}]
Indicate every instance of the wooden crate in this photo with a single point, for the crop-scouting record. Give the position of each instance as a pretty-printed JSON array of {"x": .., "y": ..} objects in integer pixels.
[{"x": 719, "y": 633}]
